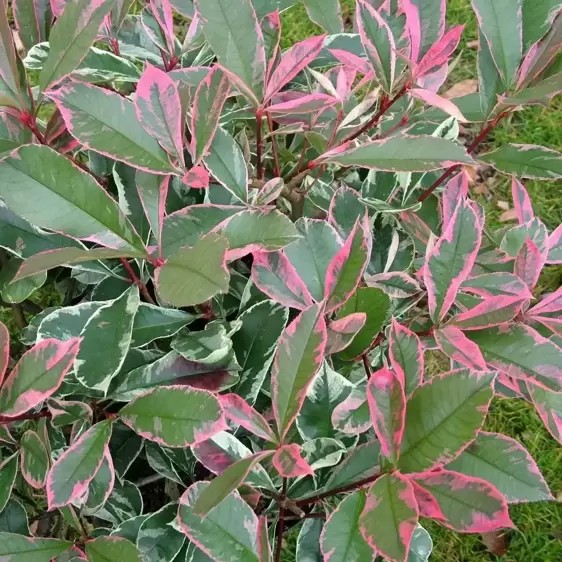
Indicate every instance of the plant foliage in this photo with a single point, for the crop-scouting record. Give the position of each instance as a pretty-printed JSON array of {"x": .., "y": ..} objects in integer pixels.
[{"x": 256, "y": 252}]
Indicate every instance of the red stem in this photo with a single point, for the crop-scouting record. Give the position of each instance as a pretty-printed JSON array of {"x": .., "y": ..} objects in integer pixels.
[
  {"x": 281, "y": 523},
  {"x": 137, "y": 281},
  {"x": 450, "y": 172},
  {"x": 277, "y": 168},
  {"x": 42, "y": 414},
  {"x": 366, "y": 365},
  {"x": 259, "y": 146}
]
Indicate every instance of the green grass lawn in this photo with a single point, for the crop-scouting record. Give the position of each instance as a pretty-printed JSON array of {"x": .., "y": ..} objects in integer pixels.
[{"x": 538, "y": 533}]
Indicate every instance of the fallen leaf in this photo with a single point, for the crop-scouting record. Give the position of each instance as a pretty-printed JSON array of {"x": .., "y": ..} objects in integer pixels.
[
  {"x": 495, "y": 542},
  {"x": 508, "y": 216},
  {"x": 473, "y": 44},
  {"x": 503, "y": 205},
  {"x": 463, "y": 88}
]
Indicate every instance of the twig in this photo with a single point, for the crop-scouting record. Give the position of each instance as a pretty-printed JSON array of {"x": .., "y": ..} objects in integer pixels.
[
  {"x": 277, "y": 167},
  {"x": 453, "y": 170},
  {"x": 259, "y": 145},
  {"x": 137, "y": 281},
  {"x": 42, "y": 414},
  {"x": 366, "y": 365},
  {"x": 281, "y": 523}
]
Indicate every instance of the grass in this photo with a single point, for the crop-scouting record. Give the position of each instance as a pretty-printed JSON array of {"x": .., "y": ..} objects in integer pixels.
[{"x": 538, "y": 533}]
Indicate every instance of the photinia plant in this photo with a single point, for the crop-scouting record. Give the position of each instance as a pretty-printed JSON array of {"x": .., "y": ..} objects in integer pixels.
[{"x": 257, "y": 250}]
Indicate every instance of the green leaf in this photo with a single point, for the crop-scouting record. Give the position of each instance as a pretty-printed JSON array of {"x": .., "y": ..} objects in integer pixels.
[
  {"x": 73, "y": 471},
  {"x": 421, "y": 546},
  {"x": 18, "y": 291},
  {"x": 341, "y": 539},
  {"x": 107, "y": 123},
  {"x": 154, "y": 323},
  {"x": 255, "y": 343},
  {"x": 211, "y": 346},
  {"x": 404, "y": 153},
  {"x": 8, "y": 471},
  {"x": 501, "y": 23},
  {"x": 23, "y": 549},
  {"x": 537, "y": 19},
  {"x": 100, "y": 487},
  {"x": 124, "y": 503},
  {"x": 521, "y": 352},
  {"x": 526, "y": 161},
  {"x": 71, "y": 38},
  {"x": 328, "y": 389},
  {"x": 51, "y": 192},
  {"x": 12, "y": 134},
  {"x": 110, "y": 329},
  {"x": 228, "y": 533},
  {"x": 442, "y": 417},
  {"x": 34, "y": 460},
  {"x": 539, "y": 94},
  {"x": 111, "y": 549},
  {"x": 158, "y": 540},
  {"x": 390, "y": 516},
  {"x": 194, "y": 275},
  {"x": 326, "y": 14},
  {"x": 308, "y": 541},
  {"x": 222, "y": 486},
  {"x": 13, "y": 518},
  {"x": 225, "y": 161},
  {"x": 504, "y": 463},
  {"x": 252, "y": 230},
  {"x": 376, "y": 305},
  {"x": 299, "y": 356},
  {"x": 312, "y": 253},
  {"x": 175, "y": 416},
  {"x": 232, "y": 30}
]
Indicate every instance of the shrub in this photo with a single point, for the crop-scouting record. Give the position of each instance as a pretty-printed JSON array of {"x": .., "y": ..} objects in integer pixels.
[{"x": 257, "y": 251}]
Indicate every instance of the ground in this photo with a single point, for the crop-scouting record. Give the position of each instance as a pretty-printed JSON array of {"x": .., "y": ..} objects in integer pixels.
[{"x": 538, "y": 533}]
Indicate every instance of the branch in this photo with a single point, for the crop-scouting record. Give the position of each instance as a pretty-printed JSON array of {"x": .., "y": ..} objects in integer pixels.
[
  {"x": 277, "y": 167},
  {"x": 42, "y": 414},
  {"x": 281, "y": 523},
  {"x": 136, "y": 281}
]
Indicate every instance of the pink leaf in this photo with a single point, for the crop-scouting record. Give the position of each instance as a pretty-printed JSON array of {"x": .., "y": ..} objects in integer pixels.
[
  {"x": 157, "y": 101},
  {"x": 549, "y": 312},
  {"x": 341, "y": 332},
  {"x": 435, "y": 100},
  {"x": 274, "y": 275},
  {"x": 162, "y": 12},
  {"x": 455, "y": 191},
  {"x": 555, "y": 241},
  {"x": 522, "y": 202},
  {"x": 292, "y": 62},
  {"x": 196, "y": 178},
  {"x": 413, "y": 27},
  {"x": 4, "y": 351},
  {"x": 238, "y": 411},
  {"x": 352, "y": 61},
  {"x": 405, "y": 351},
  {"x": 387, "y": 405},
  {"x": 462, "y": 503},
  {"x": 289, "y": 463},
  {"x": 459, "y": 348},
  {"x": 529, "y": 263},
  {"x": 307, "y": 103},
  {"x": 57, "y": 7},
  {"x": 440, "y": 52},
  {"x": 493, "y": 311}
]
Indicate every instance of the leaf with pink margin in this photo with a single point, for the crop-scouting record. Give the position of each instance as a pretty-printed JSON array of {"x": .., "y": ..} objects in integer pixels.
[
  {"x": 229, "y": 480},
  {"x": 274, "y": 275},
  {"x": 101, "y": 486},
  {"x": 196, "y": 178},
  {"x": 529, "y": 263},
  {"x": 462, "y": 503},
  {"x": 209, "y": 101},
  {"x": 395, "y": 284},
  {"x": 444, "y": 416},
  {"x": 238, "y": 411},
  {"x": 492, "y": 311},
  {"x": 440, "y": 52},
  {"x": 289, "y": 463},
  {"x": 32, "y": 20},
  {"x": 352, "y": 416},
  {"x": 162, "y": 12},
  {"x": 505, "y": 464},
  {"x": 522, "y": 353},
  {"x": 227, "y": 534},
  {"x": 378, "y": 42},
  {"x": 8, "y": 473},
  {"x": 175, "y": 416},
  {"x": 496, "y": 284},
  {"x": 459, "y": 348},
  {"x": 270, "y": 191},
  {"x": 405, "y": 352},
  {"x": 37, "y": 375},
  {"x": 302, "y": 105},
  {"x": 435, "y": 100},
  {"x": 295, "y": 59},
  {"x": 451, "y": 259},
  {"x": 417, "y": 229},
  {"x": 31, "y": 549},
  {"x": 549, "y": 407},
  {"x": 4, "y": 351},
  {"x": 34, "y": 460},
  {"x": 387, "y": 406},
  {"x": 341, "y": 539},
  {"x": 555, "y": 247},
  {"x": 455, "y": 191},
  {"x": 347, "y": 267},
  {"x": 115, "y": 548},
  {"x": 57, "y": 7},
  {"x": 352, "y": 61},
  {"x": 157, "y": 101},
  {"x": 70, "y": 476},
  {"x": 342, "y": 331},
  {"x": 300, "y": 353},
  {"x": 390, "y": 517},
  {"x": 264, "y": 548},
  {"x": 548, "y": 312},
  {"x": 522, "y": 202},
  {"x": 153, "y": 191}
]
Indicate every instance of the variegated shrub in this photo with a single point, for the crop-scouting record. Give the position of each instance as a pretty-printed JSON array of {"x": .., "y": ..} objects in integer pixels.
[{"x": 257, "y": 251}]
